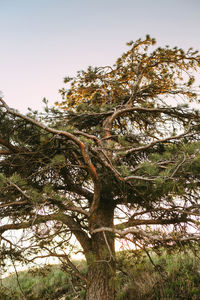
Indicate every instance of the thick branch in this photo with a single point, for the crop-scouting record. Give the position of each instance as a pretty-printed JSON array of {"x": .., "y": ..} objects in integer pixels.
[
  {"x": 13, "y": 203},
  {"x": 8, "y": 145},
  {"x": 74, "y": 227},
  {"x": 145, "y": 147},
  {"x": 138, "y": 222},
  {"x": 30, "y": 223},
  {"x": 149, "y": 236},
  {"x": 170, "y": 111},
  {"x": 4, "y": 152},
  {"x": 81, "y": 145}
]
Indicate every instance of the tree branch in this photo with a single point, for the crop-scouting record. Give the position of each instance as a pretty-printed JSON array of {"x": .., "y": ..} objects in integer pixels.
[
  {"x": 8, "y": 145},
  {"x": 81, "y": 145},
  {"x": 148, "y": 235},
  {"x": 145, "y": 147},
  {"x": 74, "y": 226}
]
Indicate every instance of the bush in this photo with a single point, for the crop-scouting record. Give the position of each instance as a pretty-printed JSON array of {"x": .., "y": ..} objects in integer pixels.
[
  {"x": 173, "y": 276},
  {"x": 45, "y": 283}
]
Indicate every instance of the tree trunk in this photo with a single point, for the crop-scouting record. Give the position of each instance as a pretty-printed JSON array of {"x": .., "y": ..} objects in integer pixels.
[
  {"x": 101, "y": 281},
  {"x": 101, "y": 258}
]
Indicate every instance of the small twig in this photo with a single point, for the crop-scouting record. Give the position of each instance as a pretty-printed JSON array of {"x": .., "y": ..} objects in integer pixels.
[
  {"x": 17, "y": 278},
  {"x": 179, "y": 165},
  {"x": 19, "y": 189}
]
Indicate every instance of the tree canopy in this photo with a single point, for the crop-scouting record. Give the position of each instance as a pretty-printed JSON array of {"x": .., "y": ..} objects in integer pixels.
[{"x": 118, "y": 157}]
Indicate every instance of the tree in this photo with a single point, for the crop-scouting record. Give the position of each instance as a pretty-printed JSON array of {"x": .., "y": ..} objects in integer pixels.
[{"x": 114, "y": 160}]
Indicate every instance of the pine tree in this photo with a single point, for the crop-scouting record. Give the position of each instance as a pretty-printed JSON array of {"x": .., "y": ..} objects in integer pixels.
[{"x": 113, "y": 160}]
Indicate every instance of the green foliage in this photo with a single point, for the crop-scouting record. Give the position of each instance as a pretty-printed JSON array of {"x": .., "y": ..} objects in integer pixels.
[
  {"x": 148, "y": 168},
  {"x": 123, "y": 141},
  {"x": 58, "y": 159},
  {"x": 125, "y": 171},
  {"x": 174, "y": 276},
  {"x": 2, "y": 180},
  {"x": 16, "y": 178},
  {"x": 113, "y": 144},
  {"x": 47, "y": 283}
]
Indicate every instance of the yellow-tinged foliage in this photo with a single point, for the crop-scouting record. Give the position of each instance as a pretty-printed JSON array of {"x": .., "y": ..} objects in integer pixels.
[{"x": 139, "y": 72}]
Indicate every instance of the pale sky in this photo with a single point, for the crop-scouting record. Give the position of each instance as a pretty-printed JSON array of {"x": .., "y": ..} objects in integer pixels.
[{"x": 42, "y": 41}]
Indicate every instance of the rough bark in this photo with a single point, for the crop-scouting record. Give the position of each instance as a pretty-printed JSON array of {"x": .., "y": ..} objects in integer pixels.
[
  {"x": 101, "y": 281},
  {"x": 101, "y": 258}
]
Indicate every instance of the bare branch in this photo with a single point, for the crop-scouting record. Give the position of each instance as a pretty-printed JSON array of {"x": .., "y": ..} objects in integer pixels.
[
  {"x": 13, "y": 203},
  {"x": 138, "y": 178},
  {"x": 145, "y": 147},
  {"x": 148, "y": 235}
]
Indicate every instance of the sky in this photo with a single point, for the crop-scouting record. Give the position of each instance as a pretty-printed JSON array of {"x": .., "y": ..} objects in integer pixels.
[{"x": 42, "y": 41}]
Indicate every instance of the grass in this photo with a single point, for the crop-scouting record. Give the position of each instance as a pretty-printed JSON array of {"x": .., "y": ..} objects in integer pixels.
[
  {"x": 173, "y": 276},
  {"x": 46, "y": 283}
]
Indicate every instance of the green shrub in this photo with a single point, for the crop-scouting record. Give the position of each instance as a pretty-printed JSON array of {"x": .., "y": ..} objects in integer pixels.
[{"x": 173, "y": 276}]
